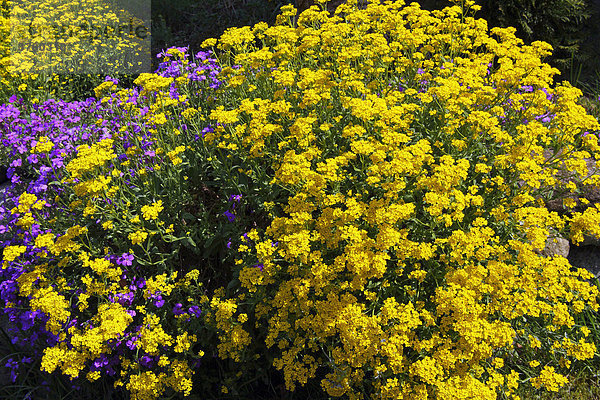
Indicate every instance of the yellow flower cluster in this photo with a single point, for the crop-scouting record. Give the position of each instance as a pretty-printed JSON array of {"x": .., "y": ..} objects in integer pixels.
[
  {"x": 151, "y": 212},
  {"x": 388, "y": 126},
  {"x": 174, "y": 155},
  {"x": 10, "y": 253},
  {"x": 137, "y": 237},
  {"x": 52, "y": 304},
  {"x": 91, "y": 157},
  {"x": 43, "y": 145},
  {"x": 549, "y": 379}
]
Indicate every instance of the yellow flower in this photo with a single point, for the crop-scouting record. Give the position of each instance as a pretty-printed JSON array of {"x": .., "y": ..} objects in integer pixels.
[
  {"x": 43, "y": 145},
  {"x": 137, "y": 237},
  {"x": 10, "y": 253},
  {"x": 151, "y": 212},
  {"x": 549, "y": 379}
]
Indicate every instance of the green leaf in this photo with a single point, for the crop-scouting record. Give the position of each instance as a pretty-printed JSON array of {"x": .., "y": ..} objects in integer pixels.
[
  {"x": 189, "y": 217},
  {"x": 191, "y": 242}
]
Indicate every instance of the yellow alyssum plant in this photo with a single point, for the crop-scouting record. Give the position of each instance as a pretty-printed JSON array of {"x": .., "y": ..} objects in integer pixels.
[{"x": 408, "y": 260}]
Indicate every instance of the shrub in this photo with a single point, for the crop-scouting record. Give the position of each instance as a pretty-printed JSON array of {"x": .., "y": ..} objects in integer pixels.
[{"x": 355, "y": 201}]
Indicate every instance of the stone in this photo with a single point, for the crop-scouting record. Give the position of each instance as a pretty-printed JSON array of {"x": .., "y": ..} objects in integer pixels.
[
  {"x": 589, "y": 192},
  {"x": 556, "y": 246}
]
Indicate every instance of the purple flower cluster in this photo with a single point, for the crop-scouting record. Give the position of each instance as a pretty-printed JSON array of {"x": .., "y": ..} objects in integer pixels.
[
  {"x": 234, "y": 201},
  {"x": 204, "y": 68},
  {"x": 66, "y": 125}
]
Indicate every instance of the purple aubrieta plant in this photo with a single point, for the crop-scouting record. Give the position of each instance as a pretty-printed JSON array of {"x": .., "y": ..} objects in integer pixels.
[{"x": 65, "y": 126}]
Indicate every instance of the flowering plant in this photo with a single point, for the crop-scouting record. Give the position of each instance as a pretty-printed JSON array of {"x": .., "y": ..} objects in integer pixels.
[
  {"x": 354, "y": 200},
  {"x": 57, "y": 49}
]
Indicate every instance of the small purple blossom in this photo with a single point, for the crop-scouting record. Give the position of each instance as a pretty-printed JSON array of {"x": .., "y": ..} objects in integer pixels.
[
  {"x": 195, "y": 311},
  {"x": 229, "y": 215},
  {"x": 14, "y": 366},
  {"x": 159, "y": 301},
  {"x": 147, "y": 361},
  {"x": 178, "y": 309},
  {"x": 235, "y": 198},
  {"x": 131, "y": 343},
  {"x": 126, "y": 259}
]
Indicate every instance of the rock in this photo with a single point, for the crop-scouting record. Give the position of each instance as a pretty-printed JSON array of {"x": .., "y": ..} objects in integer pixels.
[
  {"x": 556, "y": 246},
  {"x": 589, "y": 192},
  {"x": 586, "y": 254},
  {"x": 590, "y": 241}
]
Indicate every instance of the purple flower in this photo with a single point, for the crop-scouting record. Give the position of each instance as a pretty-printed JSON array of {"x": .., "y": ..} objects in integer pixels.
[
  {"x": 113, "y": 80},
  {"x": 159, "y": 302},
  {"x": 28, "y": 319},
  {"x": 131, "y": 343},
  {"x": 14, "y": 366},
  {"x": 173, "y": 93},
  {"x": 178, "y": 309},
  {"x": 139, "y": 283},
  {"x": 126, "y": 259},
  {"x": 101, "y": 362},
  {"x": 147, "y": 361},
  {"x": 206, "y": 130},
  {"x": 236, "y": 198},
  {"x": 229, "y": 216},
  {"x": 195, "y": 311},
  {"x": 125, "y": 299}
]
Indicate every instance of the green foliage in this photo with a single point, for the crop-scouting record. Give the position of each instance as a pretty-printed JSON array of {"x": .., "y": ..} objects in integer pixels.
[
  {"x": 190, "y": 22},
  {"x": 558, "y": 22}
]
